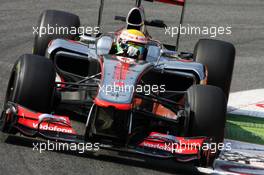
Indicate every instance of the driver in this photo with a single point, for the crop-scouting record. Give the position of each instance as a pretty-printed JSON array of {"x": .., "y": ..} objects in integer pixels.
[{"x": 131, "y": 43}]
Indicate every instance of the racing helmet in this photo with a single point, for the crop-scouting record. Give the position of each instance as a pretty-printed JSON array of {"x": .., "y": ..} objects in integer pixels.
[{"x": 134, "y": 38}]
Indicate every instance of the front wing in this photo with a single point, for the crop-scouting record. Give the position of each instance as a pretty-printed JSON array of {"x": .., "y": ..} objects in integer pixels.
[{"x": 59, "y": 128}]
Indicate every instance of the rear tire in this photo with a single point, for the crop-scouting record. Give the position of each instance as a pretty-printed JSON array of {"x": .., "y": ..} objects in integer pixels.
[
  {"x": 219, "y": 57},
  {"x": 32, "y": 85},
  {"x": 54, "y": 19},
  {"x": 207, "y": 114}
]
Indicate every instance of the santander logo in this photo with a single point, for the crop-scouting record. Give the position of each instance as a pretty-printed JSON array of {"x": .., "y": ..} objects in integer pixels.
[{"x": 52, "y": 128}]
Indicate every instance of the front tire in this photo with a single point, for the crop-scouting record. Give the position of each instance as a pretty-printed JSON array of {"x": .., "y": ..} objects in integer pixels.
[
  {"x": 54, "y": 19},
  {"x": 207, "y": 114},
  {"x": 32, "y": 85}
]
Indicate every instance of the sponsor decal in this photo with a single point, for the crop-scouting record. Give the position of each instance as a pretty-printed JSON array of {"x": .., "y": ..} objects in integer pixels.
[
  {"x": 126, "y": 60},
  {"x": 160, "y": 146},
  {"x": 172, "y": 144},
  {"x": 260, "y": 105},
  {"x": 52, "y": 128}
]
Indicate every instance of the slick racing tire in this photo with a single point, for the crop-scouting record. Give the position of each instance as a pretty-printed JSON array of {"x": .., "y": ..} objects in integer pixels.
[
  {"x": 49, "y": 21},
  {"x": 218, "y": 57},
  {"x": 207, "y": 117},
  {"x": 32, "y": 85}
]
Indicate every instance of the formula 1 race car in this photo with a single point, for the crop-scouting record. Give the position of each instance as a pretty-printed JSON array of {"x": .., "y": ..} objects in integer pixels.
[{"x": 148, "y": 99}]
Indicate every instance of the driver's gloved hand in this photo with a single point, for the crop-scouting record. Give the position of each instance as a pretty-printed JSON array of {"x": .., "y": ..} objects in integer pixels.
[{"x": 132, "y": 51}]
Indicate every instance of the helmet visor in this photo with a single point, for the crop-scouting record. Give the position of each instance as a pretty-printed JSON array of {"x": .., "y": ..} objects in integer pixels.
[{"x": 139, "y": 46}]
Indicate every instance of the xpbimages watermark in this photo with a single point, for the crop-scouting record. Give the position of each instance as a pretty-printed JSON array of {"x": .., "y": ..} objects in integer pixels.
[
  {"x": 59, "y": 146},
  {"x": 58, "y": 30},
  {"x": 118, "y": 87},
  {"x": 212, "y": 147},
  {"x": 211, "y": 31},
  {"x": 180, "y": 147}
]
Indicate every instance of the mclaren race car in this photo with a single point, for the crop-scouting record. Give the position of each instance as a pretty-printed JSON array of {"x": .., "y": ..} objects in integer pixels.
[{"x": 131, "y": 92}]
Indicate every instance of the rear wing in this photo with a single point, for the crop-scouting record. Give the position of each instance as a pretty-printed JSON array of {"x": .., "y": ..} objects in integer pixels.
[
  {"x": 173, "y": 2},
  {"x": 157, "y": 23}
]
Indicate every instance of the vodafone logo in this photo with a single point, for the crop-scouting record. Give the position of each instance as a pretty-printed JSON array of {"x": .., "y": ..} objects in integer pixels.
[
  {"x": 260, "y": 105},
  {"x": 52, "y": 128},
  {"x": 163, "y": 147}
]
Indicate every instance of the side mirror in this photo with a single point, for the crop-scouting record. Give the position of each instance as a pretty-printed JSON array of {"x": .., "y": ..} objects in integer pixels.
[
  {"x": 104, "y": 45},
  {"x": 153, "y": 54}
]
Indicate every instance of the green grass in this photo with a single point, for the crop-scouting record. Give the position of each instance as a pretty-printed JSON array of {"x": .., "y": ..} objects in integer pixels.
[{"x": 245, "y": 128}]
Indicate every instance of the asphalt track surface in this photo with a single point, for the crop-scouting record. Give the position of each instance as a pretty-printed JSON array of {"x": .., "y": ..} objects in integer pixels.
[{"x": 17, "y": 17}]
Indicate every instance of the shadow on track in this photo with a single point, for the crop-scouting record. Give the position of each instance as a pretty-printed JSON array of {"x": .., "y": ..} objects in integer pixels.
[{"x": 167, "y": 166}]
